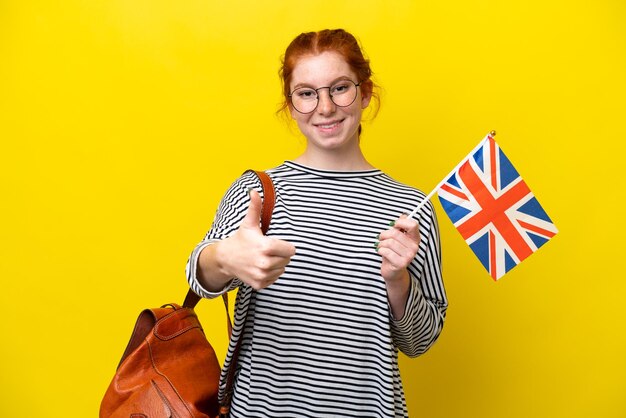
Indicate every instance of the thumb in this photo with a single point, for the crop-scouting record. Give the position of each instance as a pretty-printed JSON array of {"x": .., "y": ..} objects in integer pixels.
[{"x": 253, "y": 216}]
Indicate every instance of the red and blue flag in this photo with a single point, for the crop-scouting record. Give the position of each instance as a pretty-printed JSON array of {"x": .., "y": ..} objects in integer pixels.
[{"x": 494, "y": 209}]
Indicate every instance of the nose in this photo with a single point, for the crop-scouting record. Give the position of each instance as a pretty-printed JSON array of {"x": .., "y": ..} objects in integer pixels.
[{"x": 325, "y": 105}]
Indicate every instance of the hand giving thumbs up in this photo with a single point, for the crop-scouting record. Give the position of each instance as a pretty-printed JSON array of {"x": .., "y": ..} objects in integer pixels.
[{"x": 254, "y": 258}]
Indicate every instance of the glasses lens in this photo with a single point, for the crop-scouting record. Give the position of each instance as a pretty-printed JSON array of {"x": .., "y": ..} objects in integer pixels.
[
  {"x": 343, "y": 93},
  {"x": 304, "y": 99}
]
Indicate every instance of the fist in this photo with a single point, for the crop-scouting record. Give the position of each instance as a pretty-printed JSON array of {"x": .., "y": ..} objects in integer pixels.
[
  {"x": 249, "y": 255},
  {"x": 398, "y": 247}
]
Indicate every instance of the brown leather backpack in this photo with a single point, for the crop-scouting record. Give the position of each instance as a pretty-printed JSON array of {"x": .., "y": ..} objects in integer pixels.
[{"x": 169, "y": 368}]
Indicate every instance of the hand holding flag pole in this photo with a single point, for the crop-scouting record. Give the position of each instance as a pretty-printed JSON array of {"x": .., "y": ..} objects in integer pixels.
[{"x": 492, "y": 208}]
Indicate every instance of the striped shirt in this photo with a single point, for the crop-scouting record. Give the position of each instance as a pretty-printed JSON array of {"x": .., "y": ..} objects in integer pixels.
[{"x": 321, "y": 341}]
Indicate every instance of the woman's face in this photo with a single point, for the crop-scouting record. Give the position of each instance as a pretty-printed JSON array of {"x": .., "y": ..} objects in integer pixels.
[{"x": 328, "y": 127}]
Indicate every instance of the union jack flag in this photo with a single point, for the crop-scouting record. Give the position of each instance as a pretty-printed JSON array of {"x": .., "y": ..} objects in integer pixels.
[{"x": 494, "y": 210}]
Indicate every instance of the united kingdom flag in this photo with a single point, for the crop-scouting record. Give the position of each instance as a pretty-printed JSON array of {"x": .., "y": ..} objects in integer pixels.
[{"x": 494, "y": 210}]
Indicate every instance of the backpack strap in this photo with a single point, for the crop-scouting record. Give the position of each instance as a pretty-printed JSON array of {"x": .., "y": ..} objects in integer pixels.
[{"x": 269, "y": 199}]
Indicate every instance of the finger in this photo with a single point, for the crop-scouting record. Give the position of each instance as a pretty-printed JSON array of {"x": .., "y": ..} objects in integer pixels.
[
  {"x": 407, "y": 238},
  {"x": 263, "y": 278},
  {"x": 253, "y": 216},
  {"x": 392, "y": 258},
  {"x": 402, "y": 247},
  {"x": 406, "y": 224},
  {"x": 260, "y": 284},
  {"x": 271, "y": 263},
  {"x": 279, "y": 248}
]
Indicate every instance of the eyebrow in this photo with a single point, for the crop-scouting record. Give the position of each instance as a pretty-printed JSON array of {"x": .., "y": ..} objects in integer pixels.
[{"x": 343, "y": 77}]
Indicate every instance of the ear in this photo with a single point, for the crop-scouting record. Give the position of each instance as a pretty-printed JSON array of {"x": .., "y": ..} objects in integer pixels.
[{"x": 366, "y": 93}]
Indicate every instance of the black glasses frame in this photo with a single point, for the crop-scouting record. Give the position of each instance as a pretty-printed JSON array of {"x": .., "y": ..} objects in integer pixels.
[{"x": 318, "y": 97}]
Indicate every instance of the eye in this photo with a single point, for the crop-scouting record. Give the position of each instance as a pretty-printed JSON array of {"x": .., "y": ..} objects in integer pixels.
[
  {"x": 340, "y": 88},
  {"x": 306, "y": 93}
]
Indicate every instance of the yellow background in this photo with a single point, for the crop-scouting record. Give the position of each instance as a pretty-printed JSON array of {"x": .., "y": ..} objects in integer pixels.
[{"x": 123, "y": 122}]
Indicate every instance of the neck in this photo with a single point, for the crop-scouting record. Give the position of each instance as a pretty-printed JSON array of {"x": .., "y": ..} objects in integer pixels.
[{"x": 336, "y": 160}]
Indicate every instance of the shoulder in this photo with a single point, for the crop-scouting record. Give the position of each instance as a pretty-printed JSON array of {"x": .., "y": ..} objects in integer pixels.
[
  {"x": 238, "y": 190},
  {"x": 250, "y": 180},
  {"x": 400, "y": 187},
  {"x": 409, "y": 196}
]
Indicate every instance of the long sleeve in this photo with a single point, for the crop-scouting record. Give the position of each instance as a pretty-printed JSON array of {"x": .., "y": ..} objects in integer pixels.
[
  {"x": 425, "y": 311},
  {"x": 324, "y": 327},
  {"x": 230, "y": 213}
]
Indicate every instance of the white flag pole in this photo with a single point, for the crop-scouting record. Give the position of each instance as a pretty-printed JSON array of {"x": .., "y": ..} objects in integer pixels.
[{"x": 427, "y": 198}]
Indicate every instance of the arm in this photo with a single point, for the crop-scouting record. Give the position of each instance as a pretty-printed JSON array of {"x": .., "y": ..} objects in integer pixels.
[
  {"x": 412, "y": 271},
  {"x": 241, "y": 252},
  {"x": 398, "y": 247}
]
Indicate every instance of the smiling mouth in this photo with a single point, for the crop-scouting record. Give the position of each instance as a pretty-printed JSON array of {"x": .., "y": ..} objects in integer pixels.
[{"x": 328, "y": 125}]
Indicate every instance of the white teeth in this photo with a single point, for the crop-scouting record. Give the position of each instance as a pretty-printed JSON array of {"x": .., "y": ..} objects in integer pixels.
[{"x": 328, "y": 126}]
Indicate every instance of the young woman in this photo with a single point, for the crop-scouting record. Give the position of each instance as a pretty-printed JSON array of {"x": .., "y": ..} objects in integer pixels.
[{"x": 342, "y": 281}]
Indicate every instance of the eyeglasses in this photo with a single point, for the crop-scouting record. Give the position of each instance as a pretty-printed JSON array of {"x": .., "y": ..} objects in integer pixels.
[{"x": 306, "y": 99}]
